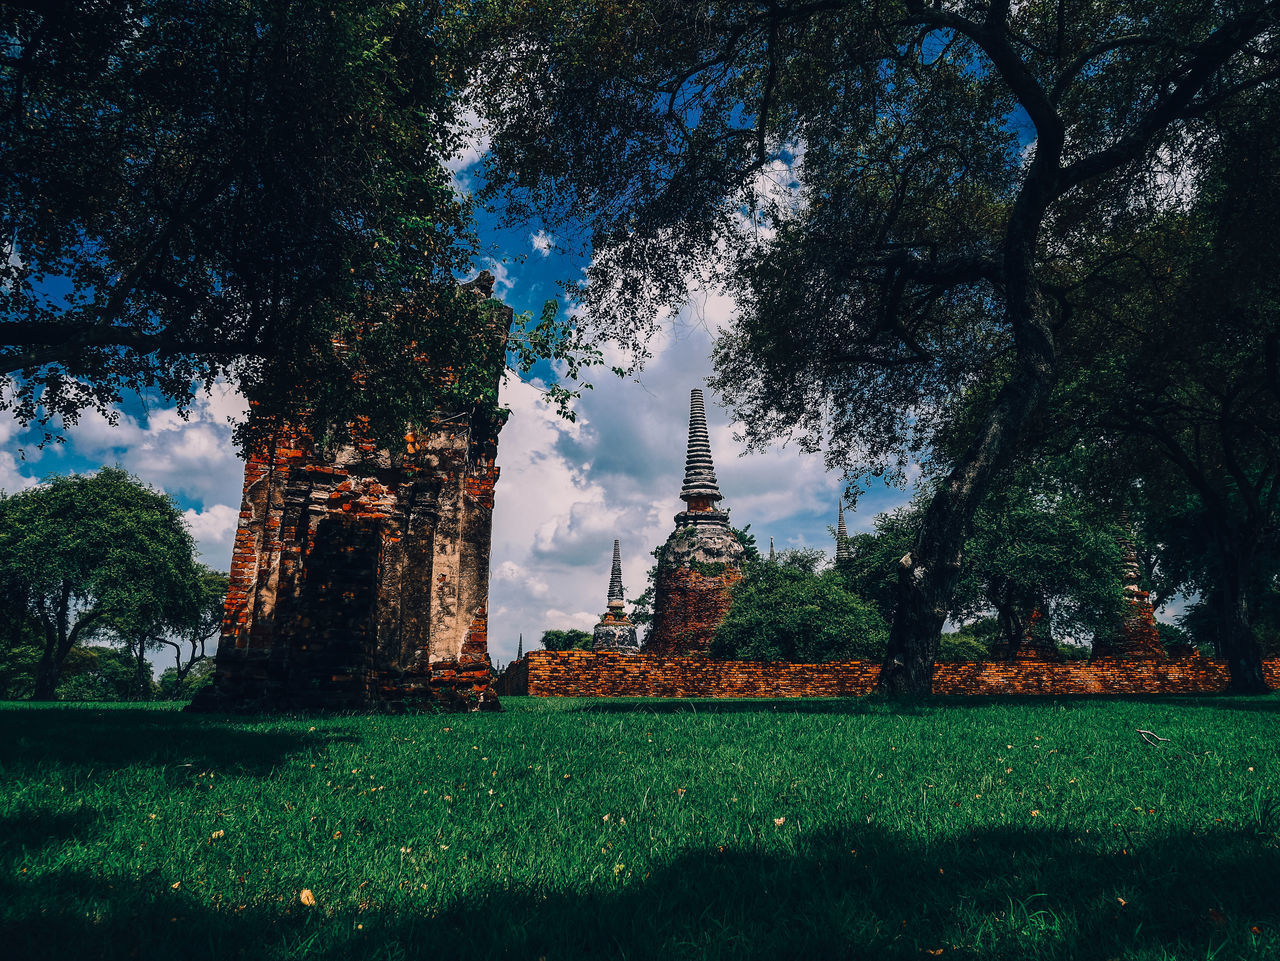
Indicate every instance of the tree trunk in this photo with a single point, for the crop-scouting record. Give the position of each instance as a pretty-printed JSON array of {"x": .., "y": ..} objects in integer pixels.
[
  {"x": 47, "y": 673},
  {"x": 1239, "y": 646},
  {"x": 926, "y": 575}
]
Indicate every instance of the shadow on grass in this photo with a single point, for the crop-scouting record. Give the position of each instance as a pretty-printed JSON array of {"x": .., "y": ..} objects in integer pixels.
[
  {"x": 853, "y": 891},
  {"x": 120, "y": 736}
]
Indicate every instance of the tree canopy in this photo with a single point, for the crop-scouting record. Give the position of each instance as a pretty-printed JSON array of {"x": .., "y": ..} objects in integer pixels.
[
  {"x": 83, "y": 554},
  {"x": 251, "y": 190}
]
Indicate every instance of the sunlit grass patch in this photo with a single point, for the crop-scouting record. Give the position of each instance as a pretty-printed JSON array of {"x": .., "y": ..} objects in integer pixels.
[{"x": 575, "y": 828}]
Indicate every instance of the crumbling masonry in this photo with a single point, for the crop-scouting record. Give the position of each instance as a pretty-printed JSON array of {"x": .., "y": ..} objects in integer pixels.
[{"x": 360, "y": 578}]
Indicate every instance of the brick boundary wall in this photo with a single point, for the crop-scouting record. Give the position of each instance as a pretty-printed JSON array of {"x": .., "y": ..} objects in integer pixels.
[{"x": 592, "y": 674}]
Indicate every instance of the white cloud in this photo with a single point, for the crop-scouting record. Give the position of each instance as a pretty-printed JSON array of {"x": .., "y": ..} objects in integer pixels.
[
  {"x": 194, "y": 459},
  {"x": 542, "y": 242},
  {"x": 214, "y": 529},
  {"x": 475, "y": 144}
]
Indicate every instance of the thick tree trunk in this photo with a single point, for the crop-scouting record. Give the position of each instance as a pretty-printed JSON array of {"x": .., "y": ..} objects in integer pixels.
[
  {"x": 47, "y": 673},
  {"x": 1238, "y": 644},
  {"x": 927, "y": 575}
]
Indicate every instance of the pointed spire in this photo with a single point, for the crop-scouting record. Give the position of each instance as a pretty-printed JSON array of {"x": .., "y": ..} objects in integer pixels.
[
  {"x": 843, "y": 553},
  {"x": 699, "y": 473},
  {"x": 520, "y": 647},
  {"x": 615, "y": 580},
  {"x": 771, "y": 557}
]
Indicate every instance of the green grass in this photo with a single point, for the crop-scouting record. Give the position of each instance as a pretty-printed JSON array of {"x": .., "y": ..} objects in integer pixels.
[{"x": 612, "y": 829}]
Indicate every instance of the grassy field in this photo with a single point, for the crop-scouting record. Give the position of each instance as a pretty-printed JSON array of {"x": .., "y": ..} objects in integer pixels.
[{"x": 608, "y": 829}]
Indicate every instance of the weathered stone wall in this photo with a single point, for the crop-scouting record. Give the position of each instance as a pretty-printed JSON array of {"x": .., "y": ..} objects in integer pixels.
[
  {"x": 361, "y": 578},
  {"x": 591, "y": 674}
]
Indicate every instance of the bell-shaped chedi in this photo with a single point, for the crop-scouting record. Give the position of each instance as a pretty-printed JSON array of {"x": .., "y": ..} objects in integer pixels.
[
  {"x": 616, "y": 632},
  {"x": 360, "y": 577},
  {"x": 1137, "y": 634},
  {"x": 700, "y": 560}
]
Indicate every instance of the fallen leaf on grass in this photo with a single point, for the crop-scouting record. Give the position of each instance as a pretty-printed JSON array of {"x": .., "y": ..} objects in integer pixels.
[
  {"x": 307, "y": 898},
  {"x": 778, "y": 822}
]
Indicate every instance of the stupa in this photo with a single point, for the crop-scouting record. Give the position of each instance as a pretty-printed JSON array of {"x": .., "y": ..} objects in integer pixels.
[
  {"x": 844, "y": 553},
  {"x": 700, "y": 560},
  {"x": 616, "y": 632},
  {"x": 1137, "y": 634}
]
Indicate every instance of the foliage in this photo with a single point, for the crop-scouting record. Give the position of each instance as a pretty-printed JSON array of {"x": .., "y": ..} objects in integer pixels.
[
  {"x": 788, "y": 611},
  {"x": 570, "y": 640},
  {"x": 174, "y": 687},
  {"x": 253, "y": 190},
  {"x": 893, "y": 193},
  {"x": 973, "y": 641},
  {"x": 97, "y": 673},
  {"x": 660, "y": 814},
  {"x": 83, "y": 554}
]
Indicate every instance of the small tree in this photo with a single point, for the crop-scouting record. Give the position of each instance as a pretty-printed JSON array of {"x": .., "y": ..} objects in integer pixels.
[{"x": 84, "y": 554}]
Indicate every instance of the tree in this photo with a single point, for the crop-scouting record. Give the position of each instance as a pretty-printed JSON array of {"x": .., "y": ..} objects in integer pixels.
[
  {"x": 1187, "y": 379},
  {"x": 252, "y": 190},
  {"x": 893, "y": 187},
  {"x": 185, "y": 622},
  {"x": 81, "y": 553},
  {"x": 790, "y": 611},
  {"x": 570, "y": 640}
]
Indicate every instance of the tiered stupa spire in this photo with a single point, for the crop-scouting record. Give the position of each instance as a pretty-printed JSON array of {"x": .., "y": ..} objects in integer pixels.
[
  {"x": 701, "y": 489},
  {"x": 615, "y": 579},
  {"x": 843, "y": 551}
]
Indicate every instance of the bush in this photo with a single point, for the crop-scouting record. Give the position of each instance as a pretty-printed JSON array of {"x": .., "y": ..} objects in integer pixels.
[
  {"x": 570, "y": 640},
  {"x": 962, "y": 647},
  {"x": 787, "y": 612}
]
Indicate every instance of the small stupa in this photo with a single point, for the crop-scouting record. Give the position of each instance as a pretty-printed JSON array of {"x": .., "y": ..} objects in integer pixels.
[
  {"x": 1137, "y": 635},
  {"x": 700, "y": 560},
  {"x": 616, "y": 632}
]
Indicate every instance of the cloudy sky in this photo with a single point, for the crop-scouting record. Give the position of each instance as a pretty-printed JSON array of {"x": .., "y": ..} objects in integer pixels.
[{"x": 566, "y": 490}]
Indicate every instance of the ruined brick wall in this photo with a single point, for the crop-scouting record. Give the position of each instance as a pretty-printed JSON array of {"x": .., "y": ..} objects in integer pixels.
[
  {"x": 688, "y": 607},
  {"x": 591, "y": 674},
  {"x": 361, "y": 577}
]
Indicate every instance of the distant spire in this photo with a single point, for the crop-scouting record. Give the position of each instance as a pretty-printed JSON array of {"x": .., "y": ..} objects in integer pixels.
[
  {"x": 520, "y": 647},
  {"x": 699, "y": 473},
  {"x": 615, "y": 580},
  {"x": 843, "y": 553},
  {"x": 771, "y": 559}
]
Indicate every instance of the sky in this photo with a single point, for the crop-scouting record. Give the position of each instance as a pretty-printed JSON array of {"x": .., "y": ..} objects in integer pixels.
[{"x": 566, "y": 489}]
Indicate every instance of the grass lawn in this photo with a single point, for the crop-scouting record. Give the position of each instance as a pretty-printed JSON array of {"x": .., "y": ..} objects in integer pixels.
[{"x": 558, "y": 829}]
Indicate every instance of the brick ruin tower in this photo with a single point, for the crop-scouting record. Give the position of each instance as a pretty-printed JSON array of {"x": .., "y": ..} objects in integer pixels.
[
  {"x": 616, "y": 632},
  {"x": 701, "y": 559},
  {"x": 360, "y": 578},
  {"x": 1137, "y": 635}
]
